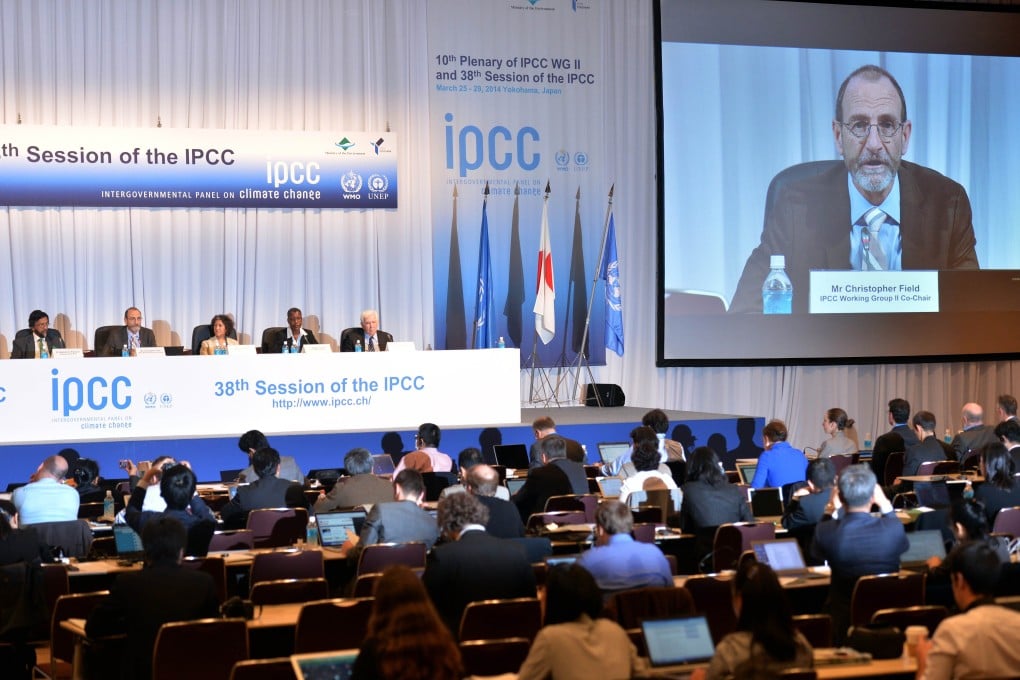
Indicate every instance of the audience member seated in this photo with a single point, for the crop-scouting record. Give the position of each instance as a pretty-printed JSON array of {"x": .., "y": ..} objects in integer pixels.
[
  {"x": 556, "y": 477},
  {"x": 546, "y": 426},
  {"x": 765, "y": 641},
  {"x": 1005, "y": 406},
  {"x": 253, "y": 440},
  {"x": 975, "y": 434},
  {"x": 930, "y": 447},
  {"x": 857, "y": 544},
  {"x": 659, "y": 422},
  {"x": 780, "y": 463},
  {"x": 982, "y": 641},
  {"x": 617, "y": 561},
  {"x": 1008, "y": 432},
  {"x": 26, "y": 614},
  {"x": 968, "y": 523},
  {"x": 807, "y": 504},
  {"x": 427, "y": 457},
  {"x": 19, "y": 545},
  {"x": 897, "y": 439},
  {"x": 472, "y": 565},
  {"x": 153, "y": 498},
  {"x": 163, "y": 591},
  {"x": 466, "y": 460},
  {"x": 86, "y": 481},
  {"x": 177, "y": 486},
  {"x": 401, "y": 520},
  {"x": 361, "y": 487},
  {"x": 638, "y": 435},
  {"x": 838, "y": 444},
  {"x": 406, "y": 638},
  {"x": 504, "y": 520},
  {"x": 709, "y": 499},
  {"x": 575, "y": 642},
  {"x": 268, "y": 491},
  {"x": 222, "y": 326},
  {"x": 647, "y": 475},
  {"x": 46, "y": 498},
  {"x": 1000, "y": 488}
]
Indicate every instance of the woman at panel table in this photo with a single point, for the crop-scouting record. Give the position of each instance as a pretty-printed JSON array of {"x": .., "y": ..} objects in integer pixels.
[
  {"x": 835, "y": 422},
  {"x": 222, "y": 326}
]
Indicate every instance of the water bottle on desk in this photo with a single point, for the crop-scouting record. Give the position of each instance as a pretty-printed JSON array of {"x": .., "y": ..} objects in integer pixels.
[
  {"x": 312, "y": 532},
  {"x": 44, "y": 352},
  {"x": 108, "y": 505},
  {"x": 124, "y": 351},
  {"x": 777, "y": 290},
  {"x": 357, "y": 345}
]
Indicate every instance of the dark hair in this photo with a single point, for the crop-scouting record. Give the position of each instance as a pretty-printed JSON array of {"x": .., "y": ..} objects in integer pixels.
[
  {"x": 252, "y": 440},
  {"x": 704, "y": 467},
  {"x": 554, "y": 447},
  {"x": 294, "y": 309},
  {"x": 570, "y": 591},
  {"x": 35, "y": 316},
  {"x": 998, "y": 466},
  {"x": 822, "y": 473},
  {"x": 643, "y": 433},
  {"x": 535, "y": 454},
  {"x": 177, "y": 486},
  {"x": 358, "y": 461},
  {"x": 970, "y": 514},
  {"x": 543, "y": 423},
  {"x": 857, "y": 485},
  {"x": 1007, "y": 402},
  {"x": 871, "y": 73},
  {"x": 645, "y": 456},
  {"x": 264, "y": 462},
  {"x": 85, "y": 472},
  {"x": 410, "y": 639},
  {"x": 469, "y": 458},
  {"x": 657, "y": 420},
  {"x": 978, "y": 564},
  {"x": 429, "y": 434},
  {"x": 840, "y": 418},
  {"x": 228, "y": 324},
  {"x": 764, "y": 610},
  {"x": 457, "y": 510},
  {"x": 410, "y": 482},
  {"x": 775, "y": 430},
  {"x": 1008, "y": 430},
  {"x": 70, "y": 455},
  {"x": 5, "y": 524},
  {"x": 900, "y": 410},
  {"x": 615, "y": 517},
  {"x": 925, "y": 420},
  {"x": 163, "y": 539}
]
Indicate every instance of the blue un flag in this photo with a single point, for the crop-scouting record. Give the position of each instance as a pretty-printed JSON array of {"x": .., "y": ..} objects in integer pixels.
[
  {"x": 485, "y": 308},
  {"x": 609, "y": 271}
]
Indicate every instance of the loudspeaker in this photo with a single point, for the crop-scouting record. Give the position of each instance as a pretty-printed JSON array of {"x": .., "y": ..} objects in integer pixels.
[{"x": 608, "y": 393}]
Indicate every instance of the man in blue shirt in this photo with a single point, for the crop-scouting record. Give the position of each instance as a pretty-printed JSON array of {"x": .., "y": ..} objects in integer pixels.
[
  {"x": 617, "y": 561},
  {"x": 46, "y": 498},
  {"x": 780, "y": 463}
]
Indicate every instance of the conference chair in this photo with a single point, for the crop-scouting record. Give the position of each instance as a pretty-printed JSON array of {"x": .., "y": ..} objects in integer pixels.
[
  {"x": 206, "y": 649},
  {"x": 290, "y": 564},
  {"x": 644, "y": 532},
  {"x": 586, "y": 503},
  {"x": 364, "y": 585},
  {"x": 375, "y": 558},
  {"x": 100, "y": 337},
  {"x": 74, "y": 536},
  {"x": 630, "y": 607},
  {"x": 816, "y": 628},
  {"x": 884, "y": 591},
  {"x": 495, "y": 619},
  {"x": 938, "y": 467},
  {"x": 55, "y": 582},
  {"x": 712, "y": 597},
  {"x": 90, "y": 510},
  {"x": 240, "y": 539},
  {"x": 277, "y": 527},
  {"x": 494, "y": 657},
  {"x": 1007, "y": 521},
  {"x": 203, "y": 332},
  {"x": 435, "y": 482},
  {"x": 929, "y": 616},
  {"x": 355, "y": 333},
  {"x": 76, "y": 606},
  {"x": 289, "y": 590},
  {"x": 263, "y": 669},
  {"x": 842, "y": 461},
  {"x": 893, "y": 467},
  {"x": 537, "y": 522},
  {"x": 215, "y": 566},
  {"x": 332, "y": 624},
  {"x": 267, "y": 338},
  {"x": 733, "y": 539}
]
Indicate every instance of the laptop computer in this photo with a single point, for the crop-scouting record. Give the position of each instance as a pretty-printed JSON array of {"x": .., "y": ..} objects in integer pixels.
[
  {"x": 610, "y": 487},
  {"x": 746, "y": 472},
  {"x": 173, "y": 351},
  {"x": 679, "y": 643},
  {"x": 128, "y": 543},
  {"x": 784, "y": 556},
  {"x": 767, "y": 502},
  {"x": 514, "y": 456},
  {"x": 610, "y": 451},
  {"x": 932, "y": 494},
  {"x": 382, "y": 464},
  {"x": 324, "y": 665},
  {"x": 514, "y": 484},
  {"x": 333, "y": 526},
  {"x": 923, "y": 544},
  {"x": 229, "y": 475}
]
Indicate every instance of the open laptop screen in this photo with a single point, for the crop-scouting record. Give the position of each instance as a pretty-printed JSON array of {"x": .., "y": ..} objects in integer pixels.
[
  {"x": 382, "y": 464},
  {"x": 782, "y": 554},
  {"x": 679, "y": 640},
  {"x": 746, "y": 472},
  {"x": 128, "y": 542},
  {"x": 923, "y": 544},
  {"x": 514, "y": 456},
  {"x": 336, "y": 665},
  {"x": 333, "y": 526},
  {"x": 610, "y": 451}
]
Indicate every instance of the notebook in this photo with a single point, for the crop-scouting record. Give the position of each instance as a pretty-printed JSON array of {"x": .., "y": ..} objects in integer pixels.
[
  {"x": 514, "y": 456},
  {"x": 610, "y": 451},
  {"x": 679, "y": 641},
  {"x": 333, "y": 526},
  {"x": 324, "y": 665},
  {"x": 128, "y": 543},
  {"x": 382, "y": 464},
  {"x": 610, "y": 487},
  {"x": 746, "y": 472},
  {"x": 923, "y": 544},
  {"x": 767, "y": 502},
  {"x": 784, "y": 556}
]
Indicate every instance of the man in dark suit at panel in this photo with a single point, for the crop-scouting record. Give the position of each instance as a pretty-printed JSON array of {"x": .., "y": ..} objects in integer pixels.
[
  {"x": 557, "y": 476},
  {"x": 401, "y": 520},
  {"x": 473, "y": 565},
  {"x": 897, "y": 439},
  {"x": 294, "y": 336},
  {"x": 825, "y": 217},
  {"x": 163, "y": 591},
  {"x": 975, "y": 433},
  {"x": 268, "y": 491},
  {"x": 371, "y": 338},
  {"x": 131, "y": 335},
  {"x": 504, "y": 520},
  {"x": 42, "y": 339}
]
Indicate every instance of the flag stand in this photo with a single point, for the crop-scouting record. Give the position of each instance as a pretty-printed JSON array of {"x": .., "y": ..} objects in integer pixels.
[{"x": 582, "y": 356}]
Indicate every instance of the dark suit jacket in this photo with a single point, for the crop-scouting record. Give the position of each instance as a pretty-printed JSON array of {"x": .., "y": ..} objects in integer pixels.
[
  {"x": 396, "y": 522},
  {"x": 896, "y": 439},
  {"x": 476, "y": 567},
  {"x": 804, "y": 511},
  {"x": 810, "y": 224},
  {"x": 140, "y": 602},
  {"x": 543, "y": 482},
  {"x": 928, "y": 450},
  {"x": 266, "y": 492},
  {"x": 972, "y": 440},
  {"x": 118, "y": 337},
  {"x": 349, "y": 336},
  {"x": 282, "y": 335},
  {"x": 504, "y": 520},
  {"x": 24, "y": 344},
  {"x": 709, "y": 506}
]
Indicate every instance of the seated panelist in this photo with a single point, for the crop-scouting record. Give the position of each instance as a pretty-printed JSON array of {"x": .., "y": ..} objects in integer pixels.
[
  {"x": 370, "y": 338},
  {"x": 222, "y": 326},
  {"x": 294, "y": 336},
  {"x": 131, "y": 335},
  {"x": 41, "y": 340}
]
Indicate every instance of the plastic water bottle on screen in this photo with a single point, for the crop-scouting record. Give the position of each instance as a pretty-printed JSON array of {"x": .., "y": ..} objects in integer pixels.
[
  {"x": 777, "y": 291},
  {"x": 108, "y": 505}
]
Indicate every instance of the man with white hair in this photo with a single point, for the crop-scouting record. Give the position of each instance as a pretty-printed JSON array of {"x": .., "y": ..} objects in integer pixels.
[{"x": 974, "y": 434}]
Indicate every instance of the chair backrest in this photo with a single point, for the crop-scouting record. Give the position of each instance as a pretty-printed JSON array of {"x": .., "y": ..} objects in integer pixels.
[
  {"x": 630, "y": 607},
  {"x": 364, "y": 585},
  {"x": 356, "y": 331},
  {"x": 733, "y": 539},
  {"x": 871, "y": 593},
  {"x": 273, "y": 566},
  {"x": 712, "y": 597},
  {"x": 1007, "y": 521},
  {"x": 288, "y": 590},
  {"x": 816, "y": 628},
  {"x": 202, "y": 332},
  {"x": 73, "y": 536},
  {"x": 241, "y": 539},
  {"x": 928, "y": 467},
  {"x": 206, "y": 649},
  {"x": 375, "y": 558},
  {"x": 893, "y": 467},
  {"x": 277, "y": 527},
  {"x": 56, "y": 582},
  {"x": 494, "y": 657},
  {"x": 332, "y": 624},
  {"x": 495, "y": 619},
  {"x": 538, "y": 521},
  {"x": 946, "y": 467},
  {"x": 215, "y": 566},
  {"x": 267, "y": 338},
  {"x": 568, "y": 503},
  {"x": 841, "y": 461},
  {"x": 263, "y": 669},
  {"x": 644, "y": 532},
  {"x": 72, "y": 606},
  {"x": 100, "y": 337},
  {"x": 647, "y": 515},
  {"x": 929, "y": 615},
  {"x": 435, "y": 482}
]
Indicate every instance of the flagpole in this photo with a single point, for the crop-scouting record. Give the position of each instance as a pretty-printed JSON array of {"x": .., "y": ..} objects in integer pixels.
[
  {"x": 563, "y": 373},
  {"x": 582, "y": 356},
  {"x": 533, "y": 362}
]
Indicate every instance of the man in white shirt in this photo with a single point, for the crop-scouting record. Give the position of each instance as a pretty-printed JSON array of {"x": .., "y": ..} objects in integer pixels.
[{"x": 45, "y": 498}]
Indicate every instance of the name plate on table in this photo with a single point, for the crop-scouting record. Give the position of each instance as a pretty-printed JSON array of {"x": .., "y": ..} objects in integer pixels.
[
  {"x": 150, "y": 352},
  {"x": 316, "y": 349},
  {"x": 853, "y": 292},
  {"x": 241, "y": 350},
  {"x": 71, "y": 353}
]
